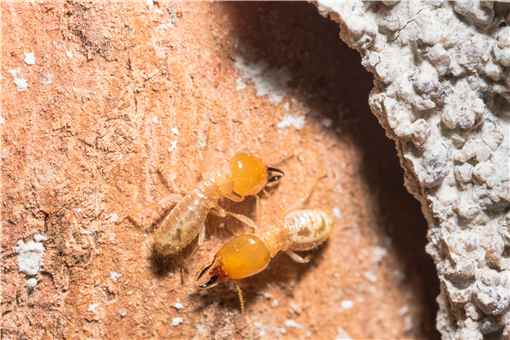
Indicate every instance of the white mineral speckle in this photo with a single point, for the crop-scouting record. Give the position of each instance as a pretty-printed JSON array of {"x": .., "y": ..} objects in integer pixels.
[
  {"x": 378, "y": 253},
  {"x": 341, "y": 334},
  {"x": 370, "y": 276},
  {"x": 175, "y": 131},
  {"x": 297, "y": 122},
  {"x": 177, "y": 321},
  {"x": 122, "y": 312},
  {"x": 2, "y": 120},
  {"x": 178, "y": 305},
  {"x": 114, "y": 276},
  {"x": 275, "y": 303},
  {"x": 267, "y": 295},
  {"x": 346, "y": 304},
  {"x": 337, "y": 212},
  {"x": 408, "y": 323},
  {"x": 270, "y": 82},
  {"x": 240, "y": 84},
  {"x": 31, "y": 283},
  {"x": 403, "y": 311},
  {"x": 113, "y": 217},
  {"x": 29, "y": 58},
  {"x": 29, "y": 257},
  {"x": 92, "y": 307},
  {"x": 173, "y": 146},
  {"x": 155, "y": 120},
  {"x": 19, "y": 81},
  {"x": 289, "y": 323}
]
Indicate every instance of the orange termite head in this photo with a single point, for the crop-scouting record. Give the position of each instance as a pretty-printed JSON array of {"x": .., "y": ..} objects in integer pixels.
[
  {"x": 242, "y": 256},
  {"x": 248, "y": 176}
]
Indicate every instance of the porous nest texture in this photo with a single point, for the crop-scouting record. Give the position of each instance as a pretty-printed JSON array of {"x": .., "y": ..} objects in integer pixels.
[{"x": 442, "y": 93}]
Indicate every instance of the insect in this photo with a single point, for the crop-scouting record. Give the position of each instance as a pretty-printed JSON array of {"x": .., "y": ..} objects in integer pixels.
[
  {"x": 248, "y": 254},
  {"x": 246, "y": 175}
]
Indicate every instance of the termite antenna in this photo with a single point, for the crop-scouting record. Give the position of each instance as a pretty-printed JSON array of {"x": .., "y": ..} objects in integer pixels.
[
  {"x": 181, "y": 273},
  {"x": 240, "y": 295},
  {"x": 284, "y": 160}
]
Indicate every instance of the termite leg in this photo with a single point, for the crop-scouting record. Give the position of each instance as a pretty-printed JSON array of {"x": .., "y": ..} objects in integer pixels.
[
  {"x": 201, "y": 238},
  {"x": 234, "y": 197},
  {"x": 297, "y": 258},
  {"x": 201, "y": 235},
  {"x": 241, "y": 218},
  {"x": 285, "y": 160},
  {"x": 165, "y": 181},
  {"x": 135, "y": 222},
  {"x": 301, "y": 202},
  {"x": 154, "y": 212},
  {"x": 240, "y": 295},
  {"x": 181, "y": 274},
  {"x": 246, "y": 220}
]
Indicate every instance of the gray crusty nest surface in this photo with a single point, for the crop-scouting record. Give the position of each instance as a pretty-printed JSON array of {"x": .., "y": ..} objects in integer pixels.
[{"x": 442, "y": 92}]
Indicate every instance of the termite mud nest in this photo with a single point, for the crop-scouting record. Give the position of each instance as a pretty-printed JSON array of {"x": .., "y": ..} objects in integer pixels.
[{"x": 442, "y": 92}]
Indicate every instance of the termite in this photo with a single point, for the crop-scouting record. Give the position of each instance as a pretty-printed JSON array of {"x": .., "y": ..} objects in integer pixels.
[
  {"x": 247, "y": 175},
  {"x": 248, "y": 254}
]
